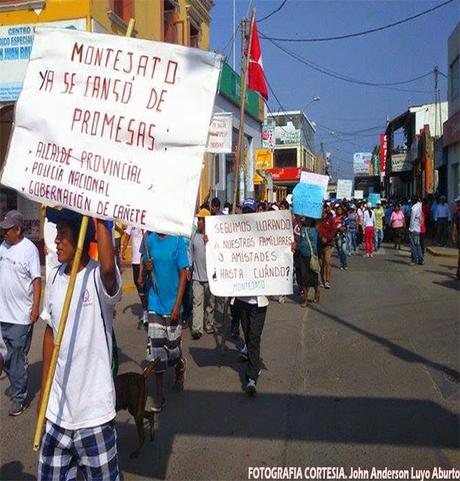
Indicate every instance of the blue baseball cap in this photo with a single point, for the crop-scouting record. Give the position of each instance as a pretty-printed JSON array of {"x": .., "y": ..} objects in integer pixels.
[
  {"x": 72, "y": 218},
  {"x": 250, "y": 204}
]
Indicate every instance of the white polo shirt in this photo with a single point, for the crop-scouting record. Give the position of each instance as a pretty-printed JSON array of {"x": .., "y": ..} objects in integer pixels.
[
  {"x": 83, "y": 393},
  {"x": 19, "y": 267}
]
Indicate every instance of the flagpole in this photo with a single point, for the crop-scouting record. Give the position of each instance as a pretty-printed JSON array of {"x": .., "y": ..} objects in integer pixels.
[{"x": 243, "y": 86}]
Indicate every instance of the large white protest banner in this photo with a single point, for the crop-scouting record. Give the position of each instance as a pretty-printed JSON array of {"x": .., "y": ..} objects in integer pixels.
[
  {"x": 344, "y": 188},
  {"x": 250, "y": 254},
  {"x": 220, "y": 133},
  {"x": 113, "y": 127}
]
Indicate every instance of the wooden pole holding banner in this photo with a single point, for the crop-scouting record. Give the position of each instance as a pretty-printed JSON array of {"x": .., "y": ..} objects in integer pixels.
[
  {"x": 239, "y": 150},
  {"x": 57, "y": 342},
  {"x": 64, "y": 315}
]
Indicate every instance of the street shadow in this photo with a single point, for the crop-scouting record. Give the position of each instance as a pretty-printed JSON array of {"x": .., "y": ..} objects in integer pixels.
[
  {"x": 451, "y": 284},
  {"x": 393, "y": 349},
  {"x": 135, "y": 309},
  {"x": 441, "y": 273},
  {"x": 289, "y": 417},
  {"x": 14, "y": 470},
  {"x": 394, "y": 261}
]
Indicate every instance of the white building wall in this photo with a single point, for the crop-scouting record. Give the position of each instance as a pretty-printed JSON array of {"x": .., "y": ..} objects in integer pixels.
[{"x": 253, "y": 140}]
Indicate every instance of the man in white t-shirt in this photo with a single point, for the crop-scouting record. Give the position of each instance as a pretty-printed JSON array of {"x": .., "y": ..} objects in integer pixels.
[
  {"x": 81, "y": 409},
  {"x": 20, "y": 290},
  {"x": 136, "y": 235}
]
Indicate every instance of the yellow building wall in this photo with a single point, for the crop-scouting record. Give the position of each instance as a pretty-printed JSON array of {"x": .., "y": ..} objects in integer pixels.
[{"x": 53, "y": 10}]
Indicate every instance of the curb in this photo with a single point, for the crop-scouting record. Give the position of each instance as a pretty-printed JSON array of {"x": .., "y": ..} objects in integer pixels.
[
  {"x": 434, "y": 252},
  {"x": 129, "y": 288}
]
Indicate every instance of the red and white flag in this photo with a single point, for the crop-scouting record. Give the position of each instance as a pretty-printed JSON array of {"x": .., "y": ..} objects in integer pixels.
[{"x": 256, "y": 79}]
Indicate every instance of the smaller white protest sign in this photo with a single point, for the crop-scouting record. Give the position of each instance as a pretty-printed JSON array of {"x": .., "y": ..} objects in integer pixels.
[
  {"x": 250, "y": 254},
  {"x": 344, "y": 188},
  {"x": 316, "y": 179},
  {"x": 220, "y": 134},
  {"x": 359, "y": 194}
]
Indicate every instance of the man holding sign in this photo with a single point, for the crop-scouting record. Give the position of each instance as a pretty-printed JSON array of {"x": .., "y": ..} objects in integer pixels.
[
  {"x": 81, "y": 409},
  {"x": 252, "y": 310},
  {"x": 249, "y": 257}
]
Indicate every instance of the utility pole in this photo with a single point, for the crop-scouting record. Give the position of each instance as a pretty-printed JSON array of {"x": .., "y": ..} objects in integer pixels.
[
  {"x": 243, "y": 87},
  {"x": 437, "y": 123}
]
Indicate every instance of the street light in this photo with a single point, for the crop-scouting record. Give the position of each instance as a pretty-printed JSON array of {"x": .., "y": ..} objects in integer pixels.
[{"x": 314, "y": 99}]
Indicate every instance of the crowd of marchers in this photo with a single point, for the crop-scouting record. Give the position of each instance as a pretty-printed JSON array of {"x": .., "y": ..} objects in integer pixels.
[{"x": 171, "y": 279}]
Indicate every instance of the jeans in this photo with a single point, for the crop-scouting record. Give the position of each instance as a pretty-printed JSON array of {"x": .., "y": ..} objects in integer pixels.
[
  {"x": 351, "y": 241},
  {"x": 202, "y": 306},
  {"x": 252, "y": 322},
  {"x": 340, "y": 245},
  {"x": 415, "y": 248},
  {"x": 378, "y": 238},
  {"x": 18, "y": 338}
]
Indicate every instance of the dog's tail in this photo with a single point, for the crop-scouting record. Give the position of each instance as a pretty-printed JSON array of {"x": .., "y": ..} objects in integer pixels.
[{"x": 150, "y": 367}]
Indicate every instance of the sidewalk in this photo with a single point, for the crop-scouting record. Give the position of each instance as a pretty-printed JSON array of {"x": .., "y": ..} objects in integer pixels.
[{"x": 442, "y": 251}]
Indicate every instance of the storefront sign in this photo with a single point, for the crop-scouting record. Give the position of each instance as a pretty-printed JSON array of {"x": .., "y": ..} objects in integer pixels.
[
  {"x": 250, "y": 254},
  {"x": 220, "y": 134},
  {"x": 268, "y": 137},
  {"x": 113, "y": 127},
  {"x": 401, "y": 162},
  {"x": 15, "y": 46},
  {"x": 264, "y": 159},
  {"x": 362, "y": 163},
  {"x": 307, "y": 200},
  {"x": 383, "y": 152},
  {"x": 287, "y": 174},
  {"x": 452, "y": 130},
  {"x": 287, "y": 134},
  {"x": 344, "y": 189}
]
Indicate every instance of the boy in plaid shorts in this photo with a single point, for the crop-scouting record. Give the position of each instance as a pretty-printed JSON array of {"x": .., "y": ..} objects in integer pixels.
[{"x": 80, "y": 431}]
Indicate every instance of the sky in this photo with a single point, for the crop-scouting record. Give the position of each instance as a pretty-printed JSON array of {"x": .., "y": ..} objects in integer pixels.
[{"x": 397, "y": 54}]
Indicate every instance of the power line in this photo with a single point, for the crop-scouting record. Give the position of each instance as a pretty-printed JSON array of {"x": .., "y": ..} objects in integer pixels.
[
  {"x": 339, "y": 76},
  {"x": 272, "y": 13},
  {"x": 359, "y": 34}
]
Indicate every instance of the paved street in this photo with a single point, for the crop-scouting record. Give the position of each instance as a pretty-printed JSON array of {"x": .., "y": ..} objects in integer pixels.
[{"x": 369, "y": 377}]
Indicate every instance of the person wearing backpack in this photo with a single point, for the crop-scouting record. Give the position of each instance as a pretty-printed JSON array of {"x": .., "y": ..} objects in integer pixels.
[{"x": 80, "y": 428}]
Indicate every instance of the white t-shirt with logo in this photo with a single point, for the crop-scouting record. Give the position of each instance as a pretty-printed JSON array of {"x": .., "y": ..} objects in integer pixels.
[
  {"x": 136, "y": 241},
  {"x": 83, "y": 393},
  {"x": 19, "y": 266}
]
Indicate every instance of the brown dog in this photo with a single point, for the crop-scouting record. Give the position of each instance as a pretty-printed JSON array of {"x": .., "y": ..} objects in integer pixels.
[{"x": 131, "y": 391}]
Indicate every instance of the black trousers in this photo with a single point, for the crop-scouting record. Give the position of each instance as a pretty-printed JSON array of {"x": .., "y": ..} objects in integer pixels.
[
  {"x": 252, "y": 323},
  {"x": 443, "y": 230}
]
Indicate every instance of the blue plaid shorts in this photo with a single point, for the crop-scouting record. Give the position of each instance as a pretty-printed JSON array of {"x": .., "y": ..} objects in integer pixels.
[{"x": 92, "y": 450}]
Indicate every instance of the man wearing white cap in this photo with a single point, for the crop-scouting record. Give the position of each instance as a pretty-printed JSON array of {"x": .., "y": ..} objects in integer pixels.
[{"x": 20, "y": 290}]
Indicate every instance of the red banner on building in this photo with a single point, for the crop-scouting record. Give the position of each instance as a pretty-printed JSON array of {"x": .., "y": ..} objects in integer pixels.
[
  {"x": 383, "y": 152},
  {"x": 287, "y": 174}
]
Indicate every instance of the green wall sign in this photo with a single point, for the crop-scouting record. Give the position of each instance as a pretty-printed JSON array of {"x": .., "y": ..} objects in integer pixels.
[{"x": 229, "y": 87}]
